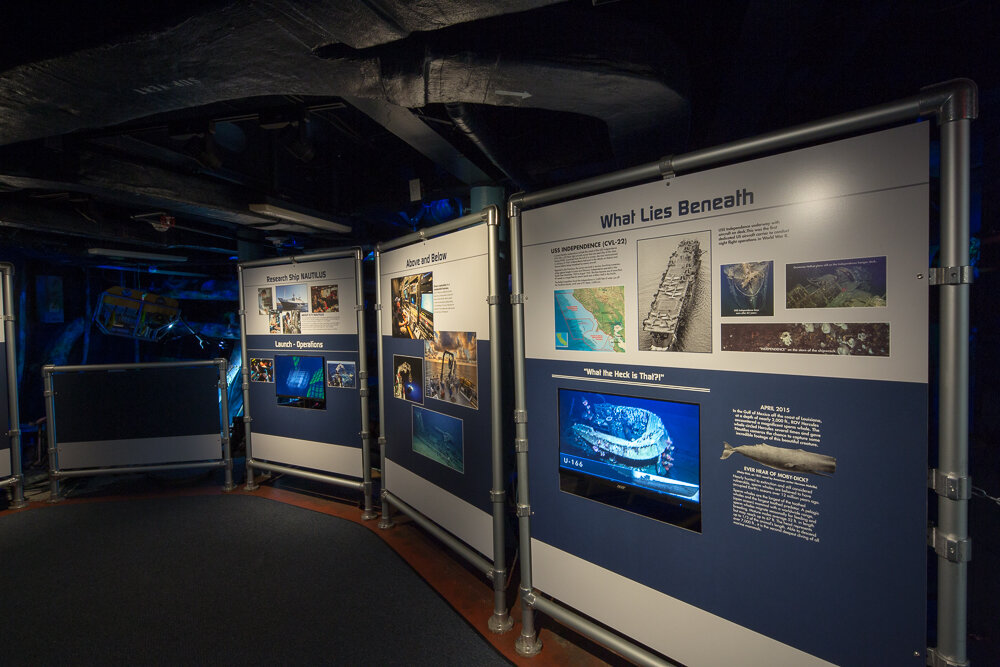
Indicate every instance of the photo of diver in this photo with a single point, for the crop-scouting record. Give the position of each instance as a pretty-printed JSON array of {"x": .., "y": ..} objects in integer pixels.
[{"x": 408, "y": 378}]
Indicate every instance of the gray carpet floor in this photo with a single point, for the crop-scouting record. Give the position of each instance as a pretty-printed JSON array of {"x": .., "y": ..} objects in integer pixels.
[{"x": 216, "y": 580}]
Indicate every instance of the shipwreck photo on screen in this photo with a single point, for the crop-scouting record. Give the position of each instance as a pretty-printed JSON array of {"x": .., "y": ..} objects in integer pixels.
[
  {"x": 590, "y": 319},
  {"x": 439, "y": 437},
  {"x": 639, "y": 454},
  {"x": 837, "y": 283},
  {"x": 324, "y": 299},
  {"x": 298, "y": 381},
  {"x": 292, "y": 297},
  {"x": 867, "y": 339},
  {"x": 675, "y": 293},
  {"x": 408, "y": 378},
  {"x": 413, "y": 306},
  {"x": 451, "y": 371},
  {"x": 341, "y": 374},
  {"x": 747, "y": 288}
]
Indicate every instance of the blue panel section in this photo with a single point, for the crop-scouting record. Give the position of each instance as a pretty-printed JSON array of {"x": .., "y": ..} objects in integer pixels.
[
  {"x": 863, "y": 574},
  {"x": 473, "y": 483},
  {"x": 339, "y": 423}
]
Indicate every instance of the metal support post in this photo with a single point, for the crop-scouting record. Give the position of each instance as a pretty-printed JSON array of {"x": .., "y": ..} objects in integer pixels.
[
  {"x": 10, "y": 335},
  {"x": 227, "y": 454},
  {"x": 953, "y": 403},
  {"x": 366, "y": 456},
  {"x": 501, "y": 621},
  {"x": 245, "y": 374},
  {"x": 386, "y": 521},
  {"x": 50, "y": 433},
  {"x": 528, "y": 643}
]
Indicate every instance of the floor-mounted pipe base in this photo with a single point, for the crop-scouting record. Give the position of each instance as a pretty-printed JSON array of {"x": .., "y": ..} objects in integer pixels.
[
  {"x": 500, "y": 623},
  {"x": 528, "y": 646},
  {"x": 386, "y": 523},
  {"x": 368, "y": 515}
]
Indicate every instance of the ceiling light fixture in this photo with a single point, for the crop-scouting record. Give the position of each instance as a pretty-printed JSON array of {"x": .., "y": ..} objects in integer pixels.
[
  {"x": 273, "y": 211},
  {"x": 131, "y": 254}
]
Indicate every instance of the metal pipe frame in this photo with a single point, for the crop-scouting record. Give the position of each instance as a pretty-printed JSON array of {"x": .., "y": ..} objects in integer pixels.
[
  {"x": 500, "y": 622},
  {"x": 385, "y": 522},
  {"x": 16, "y": 480},
  {"x": 953, "y": 398},
  {"x": 368, "y": 513},
  {"x": 250, "y": 484},
  {"x": 954, "y": 104},
  {"x": 365, "y": 485},
  {"x": 267, "y": 466},
  {"x": 430, "y": 232},
  {"x": 458, "y": 546},
  {"x": 115, "y": 470},
  {"x": 55, "y": 474}
]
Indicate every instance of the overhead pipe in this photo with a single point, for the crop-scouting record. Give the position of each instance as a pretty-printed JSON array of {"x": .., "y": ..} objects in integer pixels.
[{"x": 465, "y": 121}]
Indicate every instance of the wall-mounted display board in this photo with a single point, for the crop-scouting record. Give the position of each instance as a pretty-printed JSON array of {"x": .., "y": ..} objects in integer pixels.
[
  {"x": 305, "y": 384},
  {"x": 436, "y": 381},
  {"x": 442, "y": 460},
  {"x": 726, "y": 380}
]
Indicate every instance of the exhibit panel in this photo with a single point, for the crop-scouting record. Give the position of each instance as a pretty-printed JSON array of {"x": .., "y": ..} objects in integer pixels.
[
  {"x": 303, "y": 363},
  {"x": 726, "y": 375},
  {"x": 436, "y": 380}
]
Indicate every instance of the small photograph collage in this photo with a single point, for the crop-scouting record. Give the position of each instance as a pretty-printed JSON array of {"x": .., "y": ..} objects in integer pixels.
[
  {"x": 448, "y": 371},
  {"x": 817, "y": 287},
  {"x": 284, "y": 305}
]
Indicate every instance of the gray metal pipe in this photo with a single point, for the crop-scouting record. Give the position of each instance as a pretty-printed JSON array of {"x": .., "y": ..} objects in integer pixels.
[
  {"x": 386, "y": 521},
  {"x": 50, "y": 433},
  {"x": 430, "y": 232},
  {"x": 528, "y": 643},
  {"x": 13, "y": 406},
  {"x": 951, "y": 96},
  {"x": 124, "y": 470},
  {"x": 368, "y": 512},
  {"x": 295, "y": 259},
  {"x": 227, "y": 454},
  {"x": 501, "y": 621},
  {"x": 132, "y": 366},
  {"x": 471, "y": 555},
  {"x": 267, "y": 466},
  {"x": 607, "y": 638},
  {"x": 250, "y": 485},
  {"x": 953, "y": 400}
]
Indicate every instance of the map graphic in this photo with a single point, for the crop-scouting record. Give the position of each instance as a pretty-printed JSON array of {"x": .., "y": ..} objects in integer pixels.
[{"x": 591, "y": 319}]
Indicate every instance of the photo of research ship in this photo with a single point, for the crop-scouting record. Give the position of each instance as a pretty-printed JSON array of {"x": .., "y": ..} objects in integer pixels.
[{"x": 672, "y": 301}]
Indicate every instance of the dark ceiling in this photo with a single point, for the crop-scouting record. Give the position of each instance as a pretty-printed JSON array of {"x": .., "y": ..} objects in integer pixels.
[{"x": 113, "y": 115}]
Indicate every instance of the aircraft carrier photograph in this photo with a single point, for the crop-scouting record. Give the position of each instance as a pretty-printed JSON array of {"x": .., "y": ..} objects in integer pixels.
[{"x": 675, "y": 293}]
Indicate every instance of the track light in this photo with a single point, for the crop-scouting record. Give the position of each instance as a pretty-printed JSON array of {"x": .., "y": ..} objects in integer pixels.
[
  {"x": 131, "y": 254},
  {"x": 273, "y": 211}
]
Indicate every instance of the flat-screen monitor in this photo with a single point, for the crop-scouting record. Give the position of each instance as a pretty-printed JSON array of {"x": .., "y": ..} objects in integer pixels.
[
  {"x": 638, "y": 454},
  {"x": 427, "y": 302},
  {"x": 299, "y": 381}
]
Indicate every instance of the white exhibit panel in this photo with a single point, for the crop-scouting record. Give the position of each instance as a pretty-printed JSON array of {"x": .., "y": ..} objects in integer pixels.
[
  {"x": 726, "y": 386},
  {"x": 139, "y": 451},
  {"x": 315, "y": 455},
  {"x": 302, "y": 354},
  {"x": 436, "y": 380}
]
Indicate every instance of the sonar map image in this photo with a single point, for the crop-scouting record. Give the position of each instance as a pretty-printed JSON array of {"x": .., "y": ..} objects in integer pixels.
[{"x": 590, "y": 319}]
